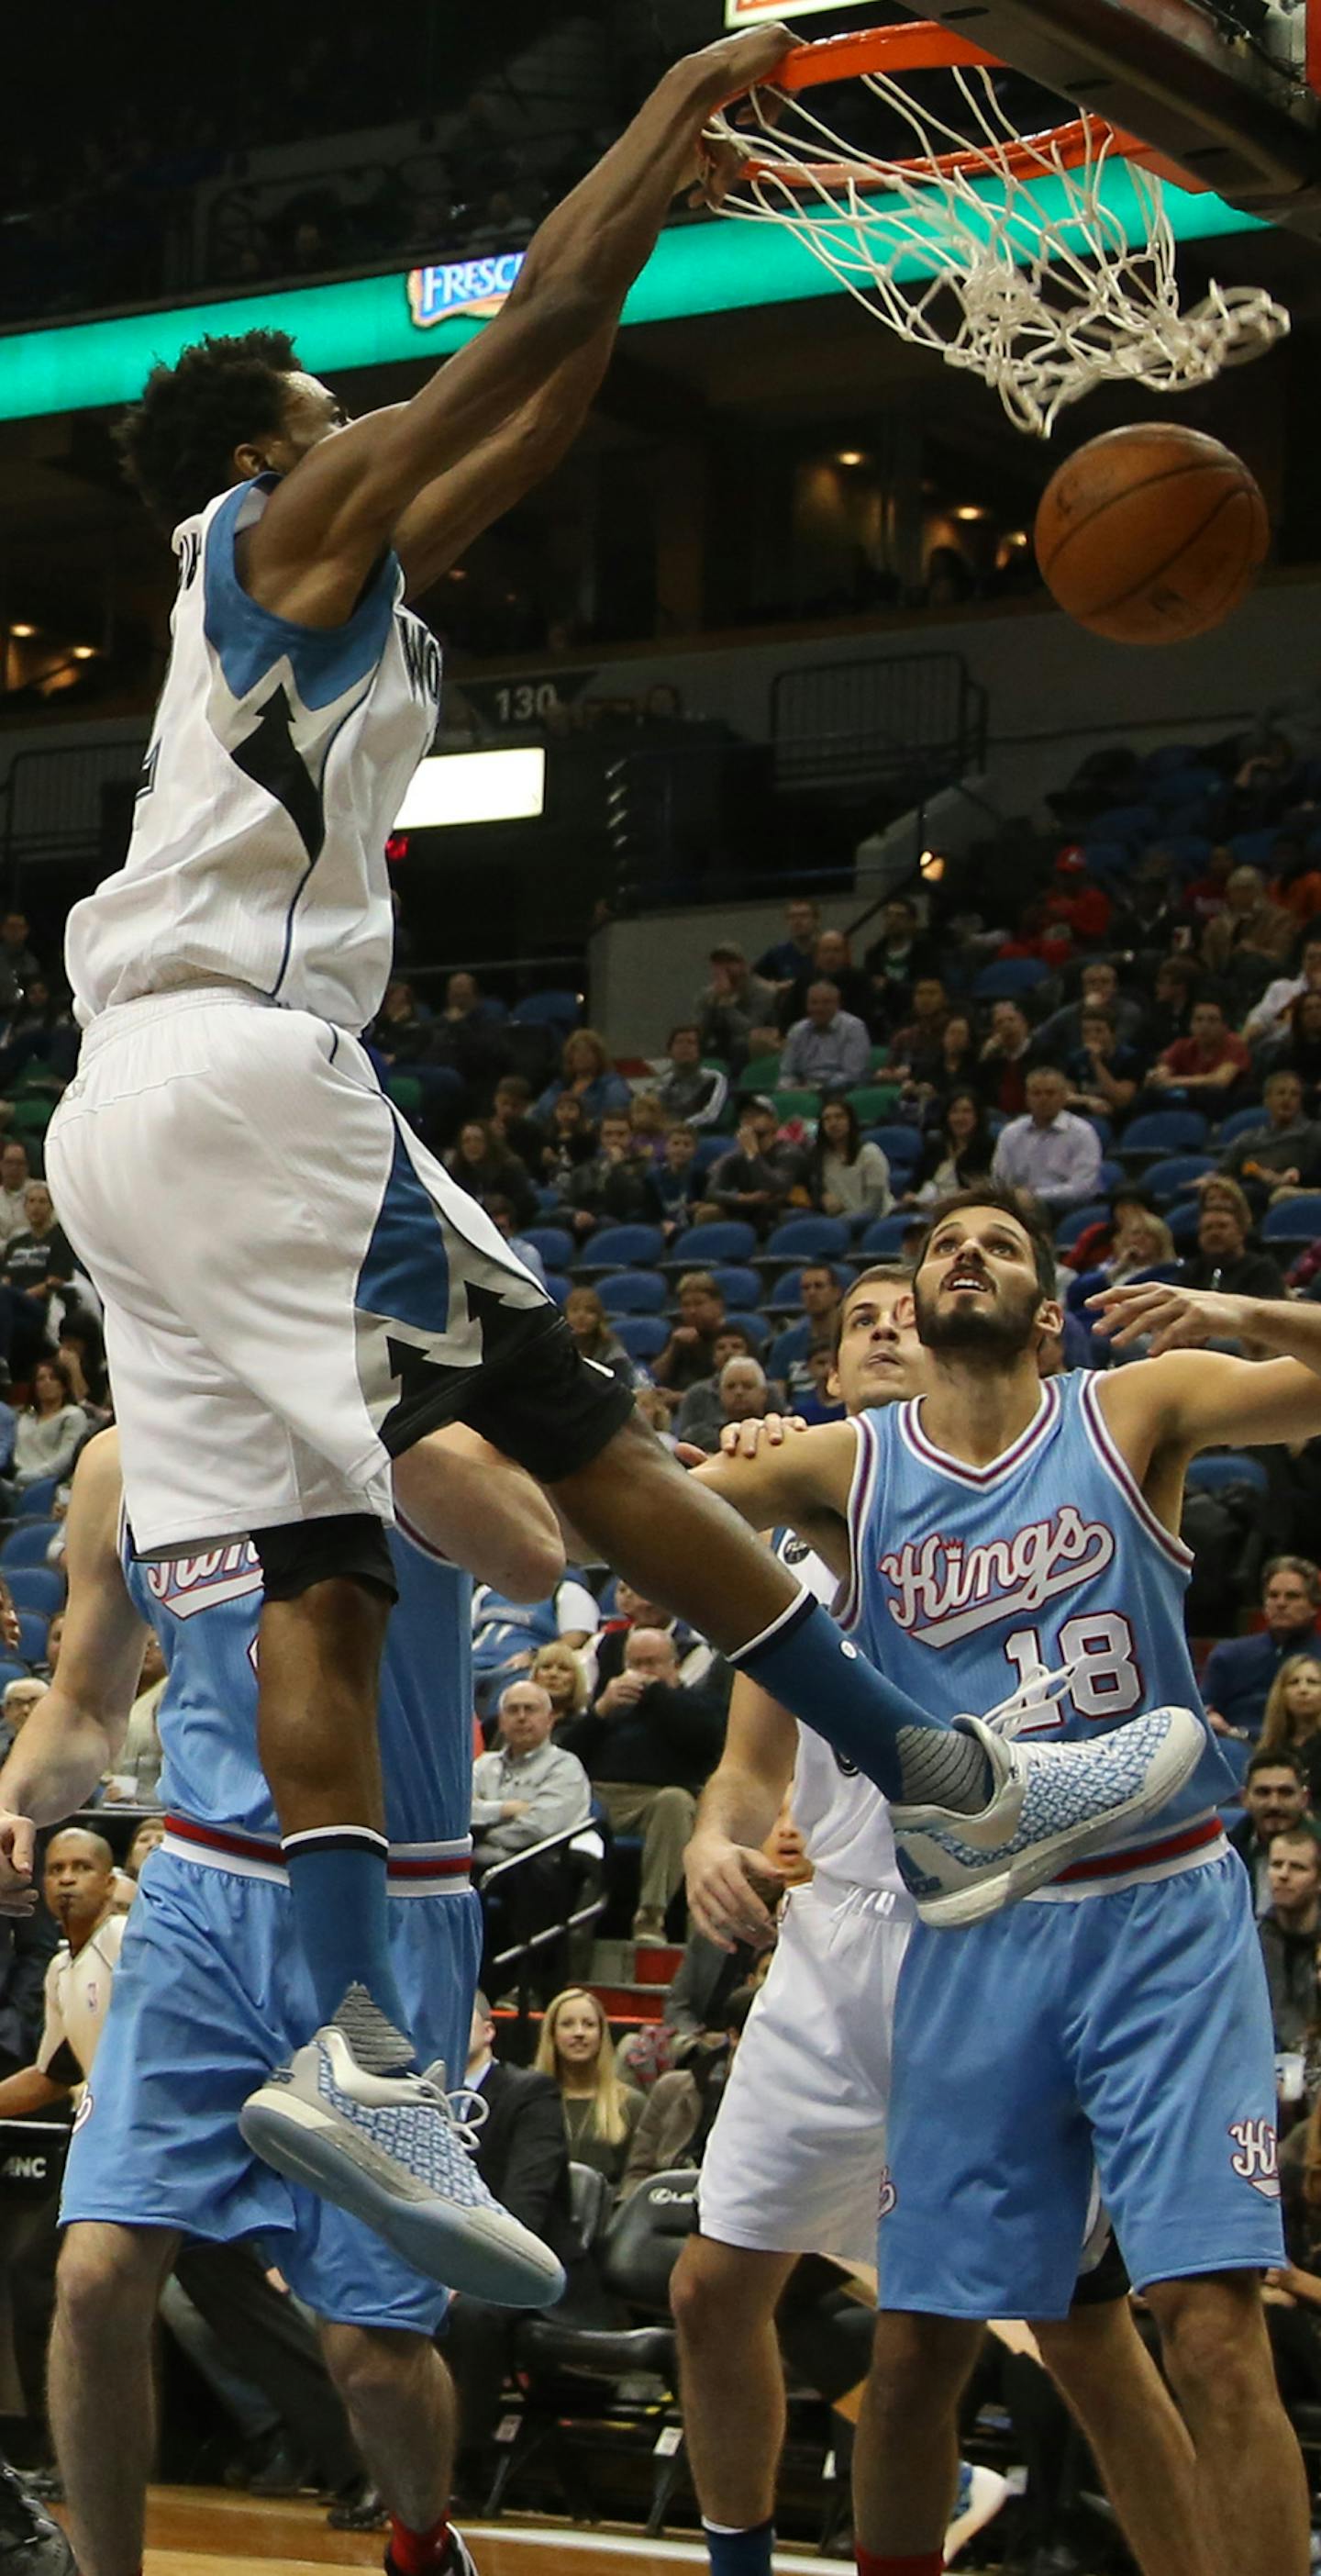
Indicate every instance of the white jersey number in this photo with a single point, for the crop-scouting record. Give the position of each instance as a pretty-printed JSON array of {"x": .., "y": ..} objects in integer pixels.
[{"x": 1102, "y": 1642}]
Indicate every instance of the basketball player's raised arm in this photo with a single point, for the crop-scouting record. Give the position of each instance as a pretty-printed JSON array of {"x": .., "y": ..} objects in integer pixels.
[
  {"x": 76, "y": 1730},
  {"x": 1191, "y": 1398},
  {"x": 330, "y": 518},
  {"x": 724, "y": 1867}
]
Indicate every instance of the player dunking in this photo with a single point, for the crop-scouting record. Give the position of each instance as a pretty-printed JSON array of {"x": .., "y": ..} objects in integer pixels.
[
  {"x": 996, "y": 1527},
  {"x": 209, "y": 1987},
  {"x": 296, "y": 1294},
  {"x": 796, "y": 2161}
]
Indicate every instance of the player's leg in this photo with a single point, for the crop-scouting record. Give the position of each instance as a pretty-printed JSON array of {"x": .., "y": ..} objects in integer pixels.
[
  {"x": 1138, "y": 2438},
  {"x": 101, "y": 2395},
  {"x": 1249, "y": 2467},
  {"x": 724, "y": 2299},
  {"x": 906, "y": 2455},
  {"x": 399, "y": 2399}
]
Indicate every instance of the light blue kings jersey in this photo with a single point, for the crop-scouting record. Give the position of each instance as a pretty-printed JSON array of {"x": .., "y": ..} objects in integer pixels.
[
  {"x": 205, "y": 1610},
  {"x": 968, "y": 1580}
]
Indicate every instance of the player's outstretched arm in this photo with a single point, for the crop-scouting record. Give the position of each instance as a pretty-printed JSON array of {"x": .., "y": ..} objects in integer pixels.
[
  {"x": 75, "y": 1731},
  {"x": 1186, "y": 1398},
  {"x": 803, "y": 1481},
  {"x": 724, "y": 1866},
  {"x": 328, "y": 521}
]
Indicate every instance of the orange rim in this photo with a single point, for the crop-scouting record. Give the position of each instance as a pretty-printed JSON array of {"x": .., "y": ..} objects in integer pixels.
[
  {"x": 923, "y": 47},
  {"x": 1067, "y": 145}
]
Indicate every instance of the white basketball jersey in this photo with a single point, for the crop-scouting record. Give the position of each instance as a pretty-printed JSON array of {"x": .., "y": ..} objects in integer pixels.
[
  {"x": 277, "y": 765},
  {"x": 843, "y": 1819}
]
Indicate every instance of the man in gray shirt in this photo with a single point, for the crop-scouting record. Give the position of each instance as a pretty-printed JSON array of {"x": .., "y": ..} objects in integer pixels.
[
  {"x": 526, "y": 1787},
  {"x": 829, "y": 1049}
]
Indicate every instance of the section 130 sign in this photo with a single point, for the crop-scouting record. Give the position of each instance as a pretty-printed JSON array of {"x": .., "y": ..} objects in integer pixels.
[{"x": 474, "y": 287}]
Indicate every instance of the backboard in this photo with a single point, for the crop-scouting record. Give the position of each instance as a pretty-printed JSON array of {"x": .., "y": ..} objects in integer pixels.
[{"x": 1230, "y": 90}]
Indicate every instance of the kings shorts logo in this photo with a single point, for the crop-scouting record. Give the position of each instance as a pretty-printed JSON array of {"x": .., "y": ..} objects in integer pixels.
[
  {"x": 888, "y": 2197},
  {"x": 1254, "y": 2159},
  {"x": 84, "y": 2110},
  {"x": 945, "y": 1590}
]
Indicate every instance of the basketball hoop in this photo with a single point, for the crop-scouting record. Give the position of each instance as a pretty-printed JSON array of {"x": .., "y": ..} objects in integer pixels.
[{"x": 1005, "y": 252}]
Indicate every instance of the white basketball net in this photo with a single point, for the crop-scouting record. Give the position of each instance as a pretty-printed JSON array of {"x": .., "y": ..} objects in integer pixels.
[{"x": 1034, "y": 288}]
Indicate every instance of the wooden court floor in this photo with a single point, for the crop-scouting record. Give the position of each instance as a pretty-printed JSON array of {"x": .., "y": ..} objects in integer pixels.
[{"x": 207, "y": 2531}]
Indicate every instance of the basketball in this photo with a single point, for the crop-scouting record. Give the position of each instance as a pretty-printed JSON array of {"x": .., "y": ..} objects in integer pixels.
[{"x": 1151, "y": 534}]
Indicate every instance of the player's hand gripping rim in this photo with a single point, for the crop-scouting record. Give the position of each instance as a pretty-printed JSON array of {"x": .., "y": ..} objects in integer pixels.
[
  {"x": 1177, "y": 1319},
  {"x": 723, "y": 1899},
  {"x": 745, "y": 62}
]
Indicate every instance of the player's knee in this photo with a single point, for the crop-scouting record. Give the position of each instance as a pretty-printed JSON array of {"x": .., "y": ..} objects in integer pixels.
[
  {"x": 374, "y": 2368},
  {"x": 105, "y": 2275},
  {"x": 347, "y": 1547},
  {"x": 919, "y": 2369},
  {"x": 708, "y": 2293},
  {"x": 1213, "y": 2339}
]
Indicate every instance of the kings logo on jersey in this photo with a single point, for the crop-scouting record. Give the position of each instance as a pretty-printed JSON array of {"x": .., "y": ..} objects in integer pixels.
[
  {"x": 187, "y": 1584},
  {"x": 944, "y": 1590}
]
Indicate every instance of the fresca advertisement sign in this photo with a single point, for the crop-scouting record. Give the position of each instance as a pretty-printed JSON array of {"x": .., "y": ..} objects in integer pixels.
[{"x": 473, "y": 287}]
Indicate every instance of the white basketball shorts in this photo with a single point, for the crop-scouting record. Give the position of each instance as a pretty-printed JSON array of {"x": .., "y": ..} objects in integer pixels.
[
  {"x": 795, "y": 2163},
  {"x": 294, "y": 1288}
]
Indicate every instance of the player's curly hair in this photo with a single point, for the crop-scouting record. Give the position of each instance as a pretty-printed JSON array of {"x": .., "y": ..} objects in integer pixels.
[{"x": 176, "y": 444}]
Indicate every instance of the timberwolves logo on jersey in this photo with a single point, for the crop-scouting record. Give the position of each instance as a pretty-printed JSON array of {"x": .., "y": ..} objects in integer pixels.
[{"x": 945, "y": 1589}]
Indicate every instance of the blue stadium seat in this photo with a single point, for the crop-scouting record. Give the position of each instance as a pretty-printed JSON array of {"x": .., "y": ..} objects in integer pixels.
[
  {"x": 1130, "y": 825},
  {"x": 632, "y": 1292},
  {"x": 642, "y": 1336},
  {"x": 709, "y": 1151},
  {"x": 700, "y": 1247},
  {"x": 1166, "y": 757},
  {"x": 1111, "y": 1176},
  {"x": 1225, "y": 1467},
  {"x": 807, "y": 1238},
  {"x": 738, "y": 1285},
  {"x": 1183, "y": 786},
  {"x": 32, "y": 1629},
  {"x": 1190, "y": 850},
  {"x": 1163, "y": 1131},
  {"x": 785, "y": 1297},
  {"x": 558, "y": 1285},
  {"x": 38, "y": 1588},
  {"x": 12, "y": 1671},
  {"x": 1085, "y": 1285},
  {"x": 553, "y": 1242},
  {"x": 751, "y": 1321},
  {"x": 884, "y": 1241},
  {"x": 37, "y": 1500},
  {"x": 27, "y": 1543},
  {"x": 1007, "y": 978},
  {"x": 1183, "y": 1223},
  {"x": 1294, "y": 1220},
  {"x": 1097, "y": 1120},
  {"x": 1174, "y": 1175},
  {"x": 1241, "y": 1123},
  {"x": 558, "y": 1010},
  {"x": 1077, "y": 1221},
  {"x": 901, "y": 1146},
  {"x": 1253, "y": 849},
  {"x": 621, "y": 1247}
]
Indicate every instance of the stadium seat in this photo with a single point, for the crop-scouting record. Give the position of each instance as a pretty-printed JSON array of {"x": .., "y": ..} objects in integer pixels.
[
  {"x": 632, "y": 1292},
  {"x": 1006, "y": 978},
  {"x": 37, "y": 1500},
  {"x": 1294, "y": 1220},
  {"x": 32, "y": 1629},
  {"x": 738, "y": 1285},
  {"x": 750, "y": 1320},
  {"x": 1253, "y": 849},
  {"x": 558, "y": 1285},
  {"x": 558, "y": 1010},
  {"x": 1077, "y": 1221},
  {"x": 38, "y": 1588},
  {"x": 27, "y": 1543},
  {"x": 901, "y": 1146},
  {"x": 785, "y": 1297},
  {"x": 621, "y": 1247},
  {"x": 643, "y": 1336},
  {"x": 1241, "y": 1123},
  {"x": 1096, "y": 1119},
  {"x": 1174, "y": 1175},
  {"x": 807, "y": 1238},
  {"x": 709, "y": 1151},
  {"x": 797, "y": 1104},
  {"x": 553, "y": 1242},
  {"x": 1183, "y": 786},
  {"x": 1130, "y": 825},
  {"x": 1226, "y": 1467},
  {"x": 760, "y": 1073},
  {"x": 1111, "y": 1176},
  {"x": 12, "y": 1671},
  {"x": 700, "y": 1247},
  {"x": 871, "y": 1100},
  {"x": 884, "y": 1241},
  {"x": 1163, "y": 1131},
  {"x": 1183, "y": 1223}
]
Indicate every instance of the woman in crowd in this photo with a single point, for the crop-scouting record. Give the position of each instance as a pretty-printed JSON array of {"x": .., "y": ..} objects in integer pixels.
[
  {"x": 572, "y": 1140},
  {"x": 590, "y": 1326},
  {"x": 1301, "y": 1052},
  {"x": 957, "y": 1154},
  {"x": 585, "y": 1070},
  {"x": 958, "y": 1055},
  {"x": 50, "y": 1428},
  {"x": 600, "y": 2113},
  {"x": 1292, "y": 1723},
  {"x": 563, "y": 1676},
  {"x": 847, "y": 1177},
  {"x": 482, "y": 1162}
]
